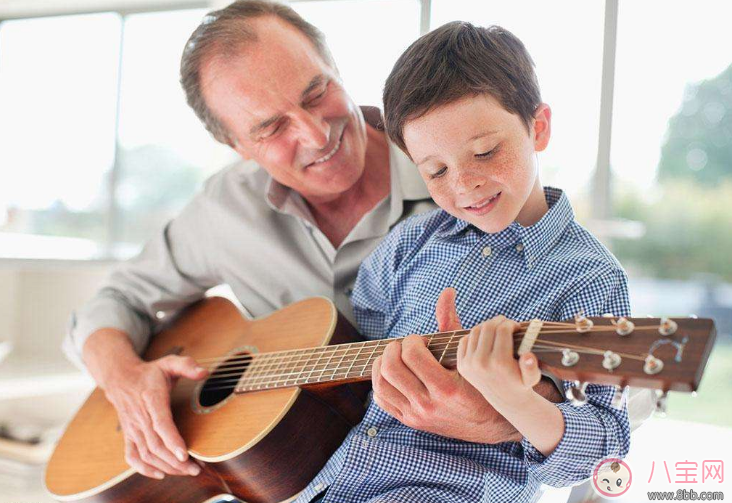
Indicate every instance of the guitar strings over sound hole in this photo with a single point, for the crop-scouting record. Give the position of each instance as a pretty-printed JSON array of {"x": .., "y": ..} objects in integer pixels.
[{"x": 221, "y": 383}]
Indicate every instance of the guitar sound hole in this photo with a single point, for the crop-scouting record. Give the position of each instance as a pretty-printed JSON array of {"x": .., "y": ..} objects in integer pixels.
[{"x": 221, "y": 383}]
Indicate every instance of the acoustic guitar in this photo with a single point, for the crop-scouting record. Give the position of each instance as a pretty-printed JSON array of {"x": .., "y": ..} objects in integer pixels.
[{"x": 284, "y": 391}]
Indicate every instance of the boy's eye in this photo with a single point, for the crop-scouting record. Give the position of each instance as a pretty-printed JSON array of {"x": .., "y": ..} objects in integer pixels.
[
  {"x": 485, "y": 154},
  {"x": 439, "y": 172}
]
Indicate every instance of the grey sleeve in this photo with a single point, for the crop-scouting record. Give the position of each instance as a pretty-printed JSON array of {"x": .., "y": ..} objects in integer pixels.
[{"x": 171, "y": 272}]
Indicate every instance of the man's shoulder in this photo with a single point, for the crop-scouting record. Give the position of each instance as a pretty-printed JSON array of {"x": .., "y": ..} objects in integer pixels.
[{"x": 238, "y": 175}]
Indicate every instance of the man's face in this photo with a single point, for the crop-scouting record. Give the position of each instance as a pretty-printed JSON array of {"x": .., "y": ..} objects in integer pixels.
[
  {"x": 285, "y": 108},
  {"x": 478, "y": 160}
]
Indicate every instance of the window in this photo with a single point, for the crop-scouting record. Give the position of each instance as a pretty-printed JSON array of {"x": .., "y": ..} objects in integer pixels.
[
  {"x": 568, "y": 58},
  {"x": 95, "y": 135},
  {"x": 365, "y": 51},
  {"x": 58, "y": 101},
  {"x": 672, "y": 165}
]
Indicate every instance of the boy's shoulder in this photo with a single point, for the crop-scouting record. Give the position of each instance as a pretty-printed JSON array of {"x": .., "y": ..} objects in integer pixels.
[
  {"x": 579, "y": 243},
  {"x": 561, "y": 239},
  {"x": 411, "y": 235}
]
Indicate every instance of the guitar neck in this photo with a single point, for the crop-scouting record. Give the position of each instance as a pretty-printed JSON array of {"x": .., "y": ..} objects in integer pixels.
[
  {"x": 655, "y": 353},
  {"x": 339, "y": 363}
]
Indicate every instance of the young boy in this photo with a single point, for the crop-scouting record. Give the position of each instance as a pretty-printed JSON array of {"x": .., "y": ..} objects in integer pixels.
[{"x": 463, "y": 102}]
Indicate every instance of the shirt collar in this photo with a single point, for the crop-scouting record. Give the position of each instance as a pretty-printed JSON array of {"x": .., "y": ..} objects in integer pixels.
[{"x": 536, "y": 239}]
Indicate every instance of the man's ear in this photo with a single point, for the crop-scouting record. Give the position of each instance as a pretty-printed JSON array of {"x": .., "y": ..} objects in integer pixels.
[{"x": 542, "y": 127}]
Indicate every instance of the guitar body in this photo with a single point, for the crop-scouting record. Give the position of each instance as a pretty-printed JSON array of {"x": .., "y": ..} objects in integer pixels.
[{"x": 261, "y": 446}]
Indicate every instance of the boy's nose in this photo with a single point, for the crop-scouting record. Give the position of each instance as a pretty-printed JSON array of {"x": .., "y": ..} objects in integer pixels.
[{"x": 467, "y": 181}]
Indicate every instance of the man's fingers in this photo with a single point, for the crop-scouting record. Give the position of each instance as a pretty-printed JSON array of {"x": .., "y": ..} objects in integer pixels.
[
  {"x": 132, "y": 457},
  {"x": 446, "y": 312},
  {"x": 422, "y": 363},
  {"x": 530, "y": 373},
  {"x": 157, "y": 447},
  {"x": 162, "y": 420},
  {"x": 398, "y": 375},
  {"x": 386, "y": 396},
  {"x": 183, "y": 366}
]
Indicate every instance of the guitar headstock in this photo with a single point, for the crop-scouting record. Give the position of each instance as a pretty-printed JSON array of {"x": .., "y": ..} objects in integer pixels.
[{"x": 659, "y": 353}]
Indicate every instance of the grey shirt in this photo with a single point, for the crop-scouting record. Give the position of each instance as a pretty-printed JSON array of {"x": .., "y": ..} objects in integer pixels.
[{"x": 255, "y": 235}]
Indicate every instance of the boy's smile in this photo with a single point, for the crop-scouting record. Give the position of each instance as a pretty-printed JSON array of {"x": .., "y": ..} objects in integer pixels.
[{"x": 478, "y": 161}]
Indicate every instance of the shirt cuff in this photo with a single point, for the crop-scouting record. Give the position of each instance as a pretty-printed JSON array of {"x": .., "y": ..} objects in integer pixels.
[{"x": 572, "y": 460}]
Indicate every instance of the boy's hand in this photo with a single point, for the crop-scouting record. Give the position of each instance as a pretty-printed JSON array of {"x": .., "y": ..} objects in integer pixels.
[
  {"x": 412, "y": 386},
  {"x": 485, "y": 359}
]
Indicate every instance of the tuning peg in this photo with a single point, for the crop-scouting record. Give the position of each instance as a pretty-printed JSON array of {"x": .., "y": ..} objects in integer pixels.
[
  {"x": 662, "y": 403},
  {"x": 652, "y": 365},
  {"x": 569, "y": 357},
  {"x": 617, "y": 401},
  {"x": 582, "y": 323},
  {"x": 693, "y": 316},
  {"x": 667, "y": 327},
  {"x": 608, "y": 315},
  {"x": 624, "y": 326},
  {"x": 611, "y": 360},
  {"x": 576, "y": 393}
]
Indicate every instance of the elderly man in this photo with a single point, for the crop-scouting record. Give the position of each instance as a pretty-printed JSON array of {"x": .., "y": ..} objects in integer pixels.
[{"x": 321, "y": 186}]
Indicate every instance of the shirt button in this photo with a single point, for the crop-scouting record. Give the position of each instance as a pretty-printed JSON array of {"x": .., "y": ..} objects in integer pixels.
[
  {"x": 319, "y": 487},
  {"x": 519, "y": 247},
  {"x": 371, "y": 432},
  {"x": 487, "y": 251}
]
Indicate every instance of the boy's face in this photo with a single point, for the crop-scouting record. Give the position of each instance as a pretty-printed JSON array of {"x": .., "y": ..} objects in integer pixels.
[{"x": 479, "y": 163}]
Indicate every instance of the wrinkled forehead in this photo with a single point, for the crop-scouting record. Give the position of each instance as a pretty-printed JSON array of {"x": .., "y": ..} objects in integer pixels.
[{"x": 259, "y": 78}]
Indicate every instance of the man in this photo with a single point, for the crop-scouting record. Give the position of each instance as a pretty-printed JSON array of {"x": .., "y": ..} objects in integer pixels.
[{"x": 321, "y": 187}]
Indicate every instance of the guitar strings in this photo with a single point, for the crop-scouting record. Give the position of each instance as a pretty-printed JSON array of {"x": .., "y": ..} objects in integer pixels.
[
  {"x": 433, "y": 337},
  {"x": 260, "y": 382},
  {"x": 304, "y": 355}
]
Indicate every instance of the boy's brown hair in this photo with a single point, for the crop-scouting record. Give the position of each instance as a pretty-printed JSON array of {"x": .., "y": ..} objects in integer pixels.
[{"x": 457, "y": 60}]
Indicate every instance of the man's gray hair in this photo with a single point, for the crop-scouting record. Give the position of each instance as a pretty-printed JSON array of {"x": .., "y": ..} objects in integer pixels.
[{"x": 222, "y": 34}]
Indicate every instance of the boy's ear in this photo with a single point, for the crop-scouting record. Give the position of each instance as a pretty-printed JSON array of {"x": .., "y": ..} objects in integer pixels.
[{"x": 542, "y": 127}]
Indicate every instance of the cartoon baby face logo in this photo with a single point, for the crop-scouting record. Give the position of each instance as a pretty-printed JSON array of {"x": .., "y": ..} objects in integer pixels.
[{"x": 611, "y": 478}]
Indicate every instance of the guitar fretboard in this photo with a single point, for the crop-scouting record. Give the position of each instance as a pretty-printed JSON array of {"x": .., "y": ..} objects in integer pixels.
[{"x": 341, "y": 362}]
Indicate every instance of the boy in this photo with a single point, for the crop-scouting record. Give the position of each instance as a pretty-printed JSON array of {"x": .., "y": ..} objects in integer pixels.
[{"x": 463, "y": 102}]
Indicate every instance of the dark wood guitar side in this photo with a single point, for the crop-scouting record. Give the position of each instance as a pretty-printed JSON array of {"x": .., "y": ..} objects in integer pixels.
[{"x": 254, "y": 446}]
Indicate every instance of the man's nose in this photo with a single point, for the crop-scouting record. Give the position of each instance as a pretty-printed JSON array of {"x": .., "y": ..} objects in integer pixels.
[{"x": 314, "y": 131}]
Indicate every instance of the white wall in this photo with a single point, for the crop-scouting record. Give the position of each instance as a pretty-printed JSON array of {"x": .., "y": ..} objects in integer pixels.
[{"x": 36, "y": 298}]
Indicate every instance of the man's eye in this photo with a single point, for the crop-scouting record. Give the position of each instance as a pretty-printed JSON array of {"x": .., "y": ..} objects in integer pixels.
[
  {"x": 315, "y": 99},
  {"x": 270, "y": 132},
  {"x": 439, "y": 173}
]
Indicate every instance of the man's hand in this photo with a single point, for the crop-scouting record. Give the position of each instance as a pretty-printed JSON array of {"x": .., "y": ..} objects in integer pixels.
[
  {"x": 412, "y": 386},
  {"x": 140, "y": 392}
]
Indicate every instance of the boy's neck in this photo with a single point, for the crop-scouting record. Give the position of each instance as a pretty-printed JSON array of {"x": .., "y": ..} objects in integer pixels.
[{"x": 535, "y": 207}]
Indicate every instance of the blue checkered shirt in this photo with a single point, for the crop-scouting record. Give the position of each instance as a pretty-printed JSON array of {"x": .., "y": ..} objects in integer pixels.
[{"x": 551, "y": 271}]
